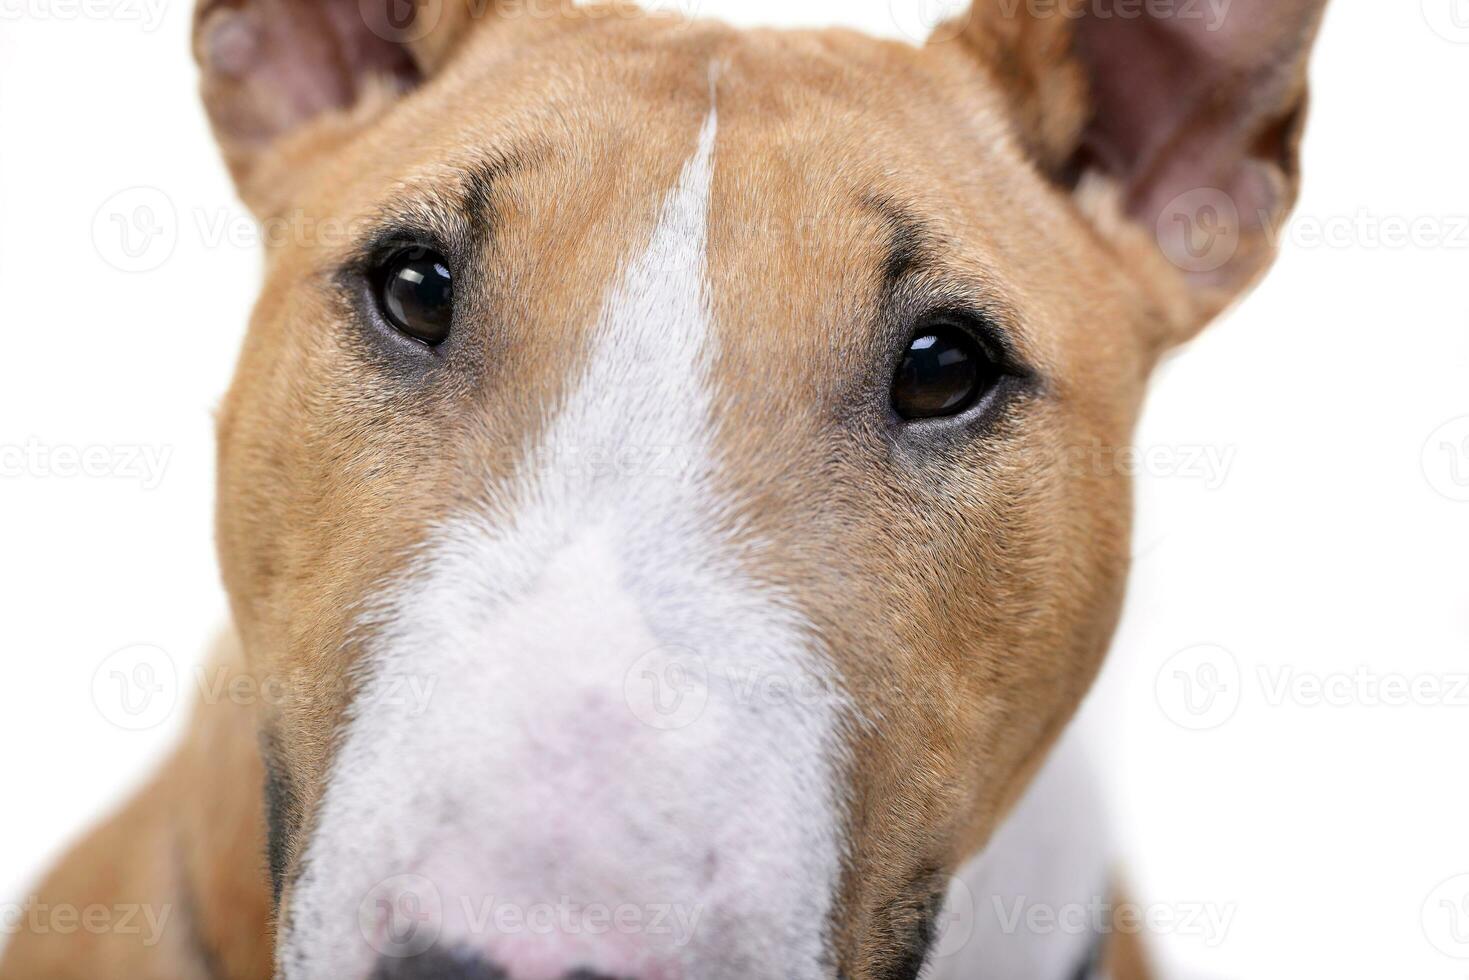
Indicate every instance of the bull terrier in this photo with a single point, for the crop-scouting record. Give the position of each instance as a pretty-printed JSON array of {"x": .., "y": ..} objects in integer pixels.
[{"x": 694, "y": 418}]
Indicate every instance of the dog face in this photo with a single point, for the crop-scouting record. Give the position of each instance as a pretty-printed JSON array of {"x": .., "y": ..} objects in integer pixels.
[{"x": 668, "y": 471}]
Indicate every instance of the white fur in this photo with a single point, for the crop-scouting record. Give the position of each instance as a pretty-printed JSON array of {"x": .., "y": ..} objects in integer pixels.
[{"x": 554, "y": 760}]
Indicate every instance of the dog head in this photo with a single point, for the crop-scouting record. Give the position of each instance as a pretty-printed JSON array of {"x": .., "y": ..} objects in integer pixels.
[{"x": 669, "y": 467}]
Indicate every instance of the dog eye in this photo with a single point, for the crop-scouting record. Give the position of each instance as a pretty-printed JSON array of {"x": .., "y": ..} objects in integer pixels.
[
  {"x": 943, "y": 372},
  {"x": 415, "y": 292}
]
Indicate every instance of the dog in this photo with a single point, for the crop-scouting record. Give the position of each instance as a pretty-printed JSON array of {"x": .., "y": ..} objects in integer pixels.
[{"x": 703, "y": 422}]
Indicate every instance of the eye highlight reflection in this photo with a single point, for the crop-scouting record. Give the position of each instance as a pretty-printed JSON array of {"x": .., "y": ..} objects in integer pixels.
[
  {"x": 944, "y": 371},
  {"x": 414, "y": 290}
]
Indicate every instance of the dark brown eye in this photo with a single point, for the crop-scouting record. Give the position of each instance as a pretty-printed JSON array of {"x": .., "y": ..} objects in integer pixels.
[
  {"x": 416, "y": 294},
  {"x": 943, "y": 372}
]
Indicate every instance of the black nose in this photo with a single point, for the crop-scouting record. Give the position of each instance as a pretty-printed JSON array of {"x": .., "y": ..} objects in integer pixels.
[{"x": 435, "y": 965}]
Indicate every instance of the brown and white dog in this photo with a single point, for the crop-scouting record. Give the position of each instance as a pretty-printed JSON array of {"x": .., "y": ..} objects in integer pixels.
[{"x": 706, "y": 420}]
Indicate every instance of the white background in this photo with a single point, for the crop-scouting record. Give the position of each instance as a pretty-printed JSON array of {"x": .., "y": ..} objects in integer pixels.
[{"x": 1325, "y": 543}]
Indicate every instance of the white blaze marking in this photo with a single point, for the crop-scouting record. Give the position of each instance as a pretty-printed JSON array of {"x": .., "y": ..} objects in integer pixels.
[{"x": 593, "y": 735}]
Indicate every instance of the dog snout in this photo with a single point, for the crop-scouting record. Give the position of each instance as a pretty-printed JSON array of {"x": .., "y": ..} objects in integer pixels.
[{"x": 437, "y": 965}]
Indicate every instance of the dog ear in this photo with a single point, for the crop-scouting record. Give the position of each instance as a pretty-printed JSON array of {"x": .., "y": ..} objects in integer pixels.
[
  {"x": 1175, "y": 123},
  {"x": 271, "y": 67}
]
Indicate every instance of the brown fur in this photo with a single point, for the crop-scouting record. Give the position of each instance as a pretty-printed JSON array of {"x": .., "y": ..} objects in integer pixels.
[{"x": 967, "y": 595}]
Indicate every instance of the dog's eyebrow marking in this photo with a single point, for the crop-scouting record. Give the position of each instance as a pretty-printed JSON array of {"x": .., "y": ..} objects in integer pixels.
[
  {"x": 458, "y": 218},
  {"x": 481, "y": 181},
  {"x": 914, "y": 279},
  {"x": 910, "y": 242},
  {"x": 457, "y": 212}
]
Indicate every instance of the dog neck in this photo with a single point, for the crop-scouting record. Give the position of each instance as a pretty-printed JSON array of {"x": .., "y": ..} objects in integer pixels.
[{"x": 1034, "y": 902}]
